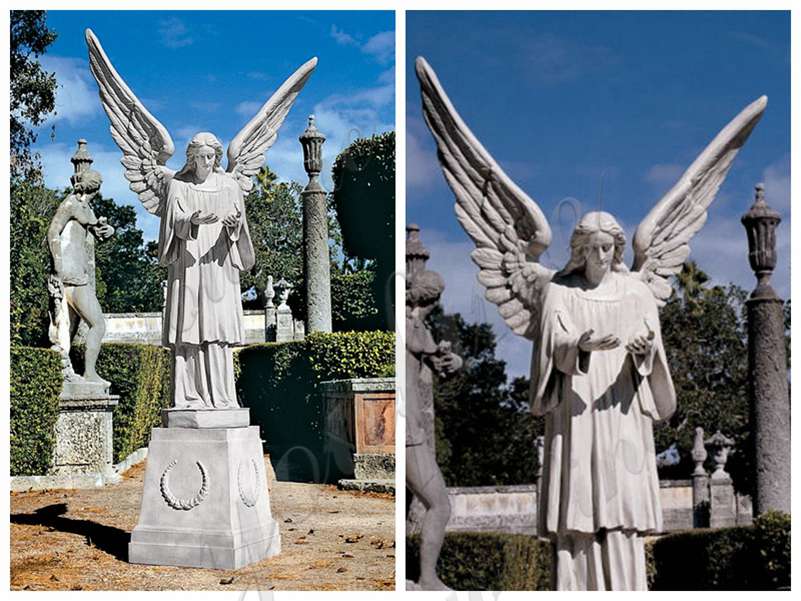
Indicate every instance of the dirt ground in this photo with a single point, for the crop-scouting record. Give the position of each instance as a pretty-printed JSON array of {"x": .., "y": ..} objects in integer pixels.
[{"x": 78, "y": 540}]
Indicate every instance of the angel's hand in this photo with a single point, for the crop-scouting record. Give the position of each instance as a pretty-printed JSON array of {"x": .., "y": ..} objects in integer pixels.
[
  {"x": 232, "y": 220},
  {"x": 201, "y": 217},
  {"x": 589, "y": 342},
  {"x": 641, "y": 344},
  {"x": 104, "y": 231}
]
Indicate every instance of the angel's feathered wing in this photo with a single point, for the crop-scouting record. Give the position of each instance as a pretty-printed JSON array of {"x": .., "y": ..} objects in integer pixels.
[
  {"x": 246, "y": 151},
  {"x": 662, "y": 240},
  {"x": 508, "y": 228},
  {"x": 145, "y": 143}
]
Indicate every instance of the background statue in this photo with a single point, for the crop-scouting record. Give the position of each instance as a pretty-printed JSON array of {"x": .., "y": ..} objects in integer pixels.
[
  {"x": 204, "y": 239},
  {"x": 423, "y": 476},
  {"x": 599, "y": 372},
  {"x": 72, "y": 297}
]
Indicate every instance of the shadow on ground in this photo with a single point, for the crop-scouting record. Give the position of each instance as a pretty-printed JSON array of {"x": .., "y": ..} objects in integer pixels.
[{"x": 113, "y": 541}]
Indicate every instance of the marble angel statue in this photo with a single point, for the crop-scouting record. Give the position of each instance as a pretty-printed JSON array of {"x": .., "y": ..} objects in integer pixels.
[
  {"x": 204, "y": 240},
  {"x": 599, "y": 373}
]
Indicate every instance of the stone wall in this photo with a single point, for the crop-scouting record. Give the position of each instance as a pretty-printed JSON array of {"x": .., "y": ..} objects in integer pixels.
[
  {"x": 145, "y": 328},
  {"x": 513, "y": 509}
]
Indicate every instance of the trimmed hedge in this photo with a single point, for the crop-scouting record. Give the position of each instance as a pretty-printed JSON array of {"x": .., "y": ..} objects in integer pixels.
[
  {"x": 742, "y": 558},
  {"x": 488, "y": 561},
  {"x": 140, "y": 375},
  {"x": 278, "y": 382},
  {"x": 35, "y": 387}
]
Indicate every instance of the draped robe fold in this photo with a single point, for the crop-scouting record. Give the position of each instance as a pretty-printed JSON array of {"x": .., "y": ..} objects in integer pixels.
[
  {"x": 203, "y": 312},
  {"x": 599, "y": 469}
]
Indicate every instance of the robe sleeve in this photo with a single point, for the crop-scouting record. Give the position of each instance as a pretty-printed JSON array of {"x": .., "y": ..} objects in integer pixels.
[
  {"x": 244, "y": 256},
  {"x": 558, "y": 357},
  {"x": 176, "y": 225},
  {"x": 656, "y": 391}
]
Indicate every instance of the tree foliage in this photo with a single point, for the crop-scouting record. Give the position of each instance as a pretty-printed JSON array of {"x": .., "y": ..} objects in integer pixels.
[
  {"x": 705, "y": 337},
  {"x": 485, "y": 432},
  {"x": 33, "y": 90},
  {"x": 364, "y": 198},
  {"x": 32, "y": 208},
  {"x": 128, "y": 275}
]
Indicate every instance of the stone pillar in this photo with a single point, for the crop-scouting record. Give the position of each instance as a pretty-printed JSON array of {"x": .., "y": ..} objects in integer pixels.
[
  {"x": 700, "y": 482},
  {"x": 722, "y": 505},
  {"x": 316, "y": 262},
  {"x": 767, "y": 365}
]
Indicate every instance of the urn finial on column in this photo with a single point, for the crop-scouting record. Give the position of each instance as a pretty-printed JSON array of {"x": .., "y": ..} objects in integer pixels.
[{"x": 760, "y": 223}]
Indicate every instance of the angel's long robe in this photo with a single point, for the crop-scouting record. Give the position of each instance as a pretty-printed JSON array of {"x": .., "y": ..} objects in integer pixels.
[
  {"x": 599, "y": 470},
  {"x": 203, "y": 312}
]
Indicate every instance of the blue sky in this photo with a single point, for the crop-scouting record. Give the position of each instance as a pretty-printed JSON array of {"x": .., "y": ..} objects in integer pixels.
[
  {"x": 608, "y": 109},
  {"x": 212, "y": 71}
]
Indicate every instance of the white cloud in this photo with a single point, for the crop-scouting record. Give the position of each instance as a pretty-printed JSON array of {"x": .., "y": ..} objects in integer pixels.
[
  {"x": 664, "y": 174},
  {"x": 174, "y": 33},
  {"x": 248, "y": 108},
  {"x": 422, "y": 167},
  {"x": 776, "y": 178},
  {"x": 76, "y": 96},
  {"x": 381, "y": 46},
  {"x": 206, "y": 106},
  {"x": 342, "y": 38}
]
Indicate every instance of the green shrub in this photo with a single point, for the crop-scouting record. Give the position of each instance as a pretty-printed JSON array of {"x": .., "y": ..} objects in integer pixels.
[
  {"x": 35, "y": 387},
  {"x": 344, "y": 355},
  {"x": 742, "y": 558},
  {"x": 140, "y": 375},
  {"x": 279, "y": 383},
  {"x": 488, "y": 561}
]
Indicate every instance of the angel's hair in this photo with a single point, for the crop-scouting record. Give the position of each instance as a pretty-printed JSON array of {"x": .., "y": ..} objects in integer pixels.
[
  {"x": 198, "y": 141},
  {"x": 596, "y": 221},
  {"x": 424, "y": 288},
  {"x": 86, "y": 181}
]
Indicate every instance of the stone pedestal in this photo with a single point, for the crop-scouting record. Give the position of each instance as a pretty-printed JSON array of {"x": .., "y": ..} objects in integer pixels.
[
  {"x": 722, "y": 505},
  {"x": 360, "y": 432},
  {"x": 205, "y": 502},
  {"x": 83, "y": 452}
]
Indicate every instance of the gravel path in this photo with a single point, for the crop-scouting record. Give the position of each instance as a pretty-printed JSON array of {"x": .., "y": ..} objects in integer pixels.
[{"x": 77, "y": 540}]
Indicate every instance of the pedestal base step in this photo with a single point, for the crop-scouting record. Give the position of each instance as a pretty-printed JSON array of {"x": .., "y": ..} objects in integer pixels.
[{"x": 193, "y": 550}]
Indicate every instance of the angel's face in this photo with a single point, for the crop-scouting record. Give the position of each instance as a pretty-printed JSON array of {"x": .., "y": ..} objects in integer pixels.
[
  {"x": 599, "y": 252},
  {"x": 204, "y": 158}
]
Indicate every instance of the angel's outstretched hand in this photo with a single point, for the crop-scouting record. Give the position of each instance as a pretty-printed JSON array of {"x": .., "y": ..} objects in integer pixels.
[
  {"x": 232, "y": 220},
  {"x": 201, "y": 217},
  {"x": 641, "y": 344},
  {"x": 589, "y": 342}
]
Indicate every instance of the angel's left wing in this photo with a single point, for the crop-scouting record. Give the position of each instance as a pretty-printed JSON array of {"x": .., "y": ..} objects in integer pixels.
[
  {"x": 246, "y": 151},
  {"x": 662, "y": 240}
]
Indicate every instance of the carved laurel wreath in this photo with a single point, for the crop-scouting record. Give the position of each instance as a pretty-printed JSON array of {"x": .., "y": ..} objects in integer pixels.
[
  {"x": 184, "y": 504},
  {"x": 248, "y": 498}
]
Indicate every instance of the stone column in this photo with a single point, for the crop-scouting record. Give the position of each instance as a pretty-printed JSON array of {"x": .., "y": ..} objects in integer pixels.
[
  {"x": 316, "y": 263},
  {"x": 767, "y": 365},
  {"x": 700, "y": 482}
]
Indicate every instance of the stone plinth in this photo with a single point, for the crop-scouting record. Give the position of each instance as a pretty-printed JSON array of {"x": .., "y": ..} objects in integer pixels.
[
  {"x": 205, "y": 418},
  {"x": 205, "y": 502},
  {"x": 360, "y": 428},
  {"x": 83, "y": 452}
]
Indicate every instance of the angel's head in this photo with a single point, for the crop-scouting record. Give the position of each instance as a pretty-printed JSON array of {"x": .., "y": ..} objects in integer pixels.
[
  {"x": 423, "y": 291},
  {"x": 203, "y": 155},
  {"x": 597, "y": 242}
]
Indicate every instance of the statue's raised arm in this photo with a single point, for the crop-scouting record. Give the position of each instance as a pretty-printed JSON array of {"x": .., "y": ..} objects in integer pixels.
[
  {"x": 507, "y": 226},
  {"x": 145, "y": 143},
  {"x": 662, "y": 241}
]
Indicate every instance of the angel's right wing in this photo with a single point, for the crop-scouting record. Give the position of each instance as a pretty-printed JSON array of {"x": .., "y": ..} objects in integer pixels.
[
  {"x": 509, "y": 229},
  {"x": 145, "y": 143}
]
